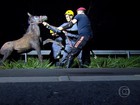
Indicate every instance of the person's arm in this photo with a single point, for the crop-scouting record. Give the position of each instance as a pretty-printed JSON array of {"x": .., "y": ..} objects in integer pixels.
[
  {"x": 72, "y": 35},
  {"x": 70, "y": 24},
  {"x": 50, "y": 27}
]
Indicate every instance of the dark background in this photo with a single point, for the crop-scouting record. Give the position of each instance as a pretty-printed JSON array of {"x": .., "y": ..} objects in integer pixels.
[{"x": 115, "y": 23}]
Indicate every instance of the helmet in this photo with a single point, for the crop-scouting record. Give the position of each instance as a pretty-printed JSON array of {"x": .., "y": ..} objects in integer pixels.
[
  {"x": 81, "y": 8},
  {"x": 69, "y": 12},
  {"x": 51, "y": 32}
]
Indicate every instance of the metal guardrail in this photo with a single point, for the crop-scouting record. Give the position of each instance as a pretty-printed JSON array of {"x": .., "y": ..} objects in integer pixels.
[{"x": 95, "y": 52}]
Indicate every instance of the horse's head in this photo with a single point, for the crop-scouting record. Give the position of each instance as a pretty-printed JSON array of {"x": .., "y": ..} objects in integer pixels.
[{"x": 36, "y": 19}]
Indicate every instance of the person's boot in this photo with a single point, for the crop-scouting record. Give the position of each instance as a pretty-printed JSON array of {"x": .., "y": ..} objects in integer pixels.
[
  {"x": 80, "y": 63},
  {"x": 61, "y": 65},
  {"x": 69, "y": 62},
  {"x": 86, "y": 64}
]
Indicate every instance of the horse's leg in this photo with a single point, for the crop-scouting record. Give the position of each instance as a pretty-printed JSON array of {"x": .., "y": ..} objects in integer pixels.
[
  {"x": 39, "y": 54},
  {"x": 52, "y": 41},
  {"x": 36, "y": 46},
  {"x": 5, "y": 55}
]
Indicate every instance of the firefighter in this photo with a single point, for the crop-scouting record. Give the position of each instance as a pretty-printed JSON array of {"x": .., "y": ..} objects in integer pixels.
[
  {"x": 84, "y": 32},
  {"x": 56, "y": 49}
]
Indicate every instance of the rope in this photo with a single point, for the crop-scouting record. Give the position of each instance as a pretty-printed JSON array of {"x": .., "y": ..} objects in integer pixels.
[{"x": 66, "y": 34}]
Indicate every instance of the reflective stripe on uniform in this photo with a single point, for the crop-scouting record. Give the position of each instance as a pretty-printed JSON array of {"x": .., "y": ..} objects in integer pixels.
[{"x": 78, "y": 42}]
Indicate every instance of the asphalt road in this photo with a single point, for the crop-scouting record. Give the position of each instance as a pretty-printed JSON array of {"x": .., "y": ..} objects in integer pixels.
[{"x": 85, "y": 86}]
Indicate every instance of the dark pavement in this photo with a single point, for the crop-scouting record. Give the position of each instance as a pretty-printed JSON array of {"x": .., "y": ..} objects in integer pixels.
[{"x": 85, "y": 86}]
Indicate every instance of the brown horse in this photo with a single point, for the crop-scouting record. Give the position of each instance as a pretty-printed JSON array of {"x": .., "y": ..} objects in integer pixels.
[{"x": 30, "y": 40}]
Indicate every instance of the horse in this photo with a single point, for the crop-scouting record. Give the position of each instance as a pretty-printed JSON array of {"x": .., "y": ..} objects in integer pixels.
[{"x": 30, "y": 40}]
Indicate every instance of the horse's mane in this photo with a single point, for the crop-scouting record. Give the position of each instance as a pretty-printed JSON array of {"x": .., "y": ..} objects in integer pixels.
[{"x": 33, "y": 28}]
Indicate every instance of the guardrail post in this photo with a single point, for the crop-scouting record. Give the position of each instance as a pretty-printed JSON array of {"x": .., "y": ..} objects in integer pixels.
[
  {"x": 25, "y": 55},
  {"x": 128, "y": 54}
]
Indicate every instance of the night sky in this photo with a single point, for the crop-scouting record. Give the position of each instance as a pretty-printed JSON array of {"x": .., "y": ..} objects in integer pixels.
[{"x": 115, "y": 23}]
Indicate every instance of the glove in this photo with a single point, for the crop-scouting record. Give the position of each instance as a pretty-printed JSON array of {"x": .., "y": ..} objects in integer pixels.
[
  {"x": 60, "y": 28},
  {"x": 65, "y": 32},
  {"x": 46, "y": 24}
]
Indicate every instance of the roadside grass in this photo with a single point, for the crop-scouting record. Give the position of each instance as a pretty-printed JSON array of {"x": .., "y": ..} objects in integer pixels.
[
  {"x": 31, "y": 64},
  {"x": 99, "y": 62},
  {"x": 119, "y": 62}
]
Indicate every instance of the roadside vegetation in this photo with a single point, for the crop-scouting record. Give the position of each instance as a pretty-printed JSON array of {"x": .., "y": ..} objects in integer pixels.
[{"x": 99, "y": 62}]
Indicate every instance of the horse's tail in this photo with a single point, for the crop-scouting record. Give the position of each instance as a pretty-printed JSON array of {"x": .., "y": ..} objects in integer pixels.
[{"x": 52, "y": 41}]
